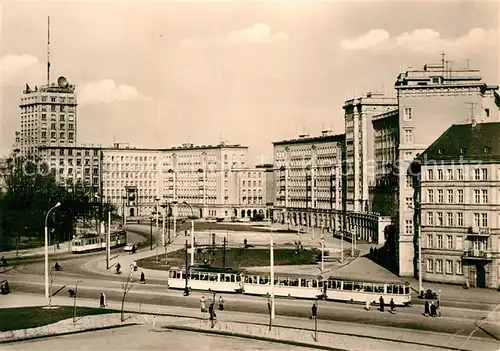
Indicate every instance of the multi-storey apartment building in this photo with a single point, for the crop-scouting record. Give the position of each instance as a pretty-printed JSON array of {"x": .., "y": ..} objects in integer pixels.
[
  {"x": 74, "y": 166},
  {"x": 210, "y": 181},
  {"x": 359, "y": 141},
  {"x": 429, "y": 101},
  {"x": 459, "y": 192},
  {"x": 270, "y": 188},
  {"x": 48, "y": 117},
  {"x": 308, "y": 181}
]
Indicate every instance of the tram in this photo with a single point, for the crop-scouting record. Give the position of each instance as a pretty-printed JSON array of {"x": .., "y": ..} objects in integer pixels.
[
  {"x": 296, "y": 286},
  {"x": 88, "y": 241}
]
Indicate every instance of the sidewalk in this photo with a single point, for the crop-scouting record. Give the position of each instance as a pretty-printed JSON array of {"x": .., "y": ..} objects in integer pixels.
[{"x": 334, "y": 334}]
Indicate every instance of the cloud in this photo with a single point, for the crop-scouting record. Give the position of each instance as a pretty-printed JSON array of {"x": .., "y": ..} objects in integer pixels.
[
  {"x": 368, "y": 40},
  {"x": 107, "y": 91},
  {"x": 15, "y": 69},
  {"x": 259, "y": 33},
  {"x": 423, "y": 40}
]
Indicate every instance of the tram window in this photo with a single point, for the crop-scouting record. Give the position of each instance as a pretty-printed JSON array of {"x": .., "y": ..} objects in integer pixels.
[
  {"x": 228, "y": 278},
  {"x": 293, "y": 282},
  {"x": 320, "y": 283},
  {"x": 238, "y": 278},
  {"x": 347, "y": 286},
  {"x": 248, "y": 279},
  {"x": 357, "y": 286},
  {"x": 378, "y": 288},
  {"x": 397, "y": 289},
  {"x": 222, "y": 277},
  {"x": 367, "y": 287},
  {"x": 303, "y": 282},
  {"x": 315, "y": 283},
  {"x": 264, "y": 280},
  {"x": 213, "y": 278},
  {"x": 389, "y": 289},
  {"x": 205, "y": 277},
  {"x": 407, "y": 290}
]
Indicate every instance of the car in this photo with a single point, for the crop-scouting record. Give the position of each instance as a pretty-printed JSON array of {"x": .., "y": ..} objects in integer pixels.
[
  {"x": 211, "y": 220},
  {"x": 128, "y": 247}
]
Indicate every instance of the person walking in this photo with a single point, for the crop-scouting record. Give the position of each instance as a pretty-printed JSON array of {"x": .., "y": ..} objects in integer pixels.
[
  {"x": 221, "y": 303},
  {"x": 143, "y": 278},
  {"x": 433, "y": 310},
  {"x": 381, "y": 302},
  {"x": 393, "y": 306},
  {"x": 135, "y": 266},
  {"x": 203, "y": 307},
  {"x": 426, "y": 308},
  {"x": 102, "y": 301},
  {"x": 367, "y": 304},
  {"x": 314, "y": 311}
]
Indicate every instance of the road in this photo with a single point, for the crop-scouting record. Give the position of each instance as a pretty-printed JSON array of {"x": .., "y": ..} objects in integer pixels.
[{"x": 28, "y": 278}]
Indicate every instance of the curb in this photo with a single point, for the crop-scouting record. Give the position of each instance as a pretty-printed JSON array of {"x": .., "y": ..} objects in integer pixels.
[
  {"x": 486, "y": 331},
  {"x": 252, "y": 337},
  {"x": 67, "y": 333}
]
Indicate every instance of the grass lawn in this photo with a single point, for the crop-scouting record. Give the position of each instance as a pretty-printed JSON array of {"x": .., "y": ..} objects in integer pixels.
[
  {"x": 32, "y": 317},
  {"x": 236, "y": 258}
]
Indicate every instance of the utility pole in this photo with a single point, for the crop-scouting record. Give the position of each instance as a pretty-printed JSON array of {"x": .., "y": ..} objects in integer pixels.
[
  {"x": 151, "y": 234},
  {"x": 224, "y": 253},
  {"x": 186, "y": 288},
  {"x": 108, "y": 241}
]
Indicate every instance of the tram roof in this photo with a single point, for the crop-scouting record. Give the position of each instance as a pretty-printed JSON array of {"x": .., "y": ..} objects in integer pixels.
[{"x": 350, "y": 278}]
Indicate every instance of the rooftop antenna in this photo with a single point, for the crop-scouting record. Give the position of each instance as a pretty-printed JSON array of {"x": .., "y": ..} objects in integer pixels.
[
  {"x": 467, "y": 64},
  {"x": 442, "y": 60},
  {"x": 48, "y": 50}
]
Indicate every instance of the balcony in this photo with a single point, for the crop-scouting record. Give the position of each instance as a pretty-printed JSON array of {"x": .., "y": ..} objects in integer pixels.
[
  {"x": 477, "y": 255},
  {"x": 476, "y": 231}
]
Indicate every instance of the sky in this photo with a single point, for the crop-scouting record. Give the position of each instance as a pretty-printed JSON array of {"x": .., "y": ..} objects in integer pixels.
[{"x": 158, "y": 74}]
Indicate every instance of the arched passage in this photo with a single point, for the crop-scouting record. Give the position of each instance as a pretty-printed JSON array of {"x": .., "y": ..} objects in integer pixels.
[
  {"x": 254, "y": 213},
  {"x": 242, "y": 213},
  {"x": 249, "y": 213}
]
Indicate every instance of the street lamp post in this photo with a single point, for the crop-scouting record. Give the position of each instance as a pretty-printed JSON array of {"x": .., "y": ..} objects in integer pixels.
[
  {"x": 192, "y": 232},
  {"x": 271, "y": 259},
  {"x": 156, "y": 200},
  {"x": 322, "y": 255},
  {"x": 74, "y": 300},
  {"x": 47, "y": 251},
  {"x": 123, "y": 210}
]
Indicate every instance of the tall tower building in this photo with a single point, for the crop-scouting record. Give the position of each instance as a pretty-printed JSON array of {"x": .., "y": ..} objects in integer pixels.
[
  {"x": 48, "y": 117},
  {"x": 360, "y": 157},
  {"x": 429, "y": 102}
]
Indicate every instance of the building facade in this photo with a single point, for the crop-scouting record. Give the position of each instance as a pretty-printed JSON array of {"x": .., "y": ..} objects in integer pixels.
[
  {"x": 441, "y": 96},
  {"x": 459, "y": 193},
  {"x": 308, "y": 181},
  {"x": 270, "y": 188},
  {"x": 358, "y": 115},
  {"x": 203, "y": 181},
  {"x": 48, "y": 117}
]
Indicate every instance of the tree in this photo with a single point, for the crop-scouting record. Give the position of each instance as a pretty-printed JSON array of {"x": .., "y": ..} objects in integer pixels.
[{"x": 126, "y": 286}]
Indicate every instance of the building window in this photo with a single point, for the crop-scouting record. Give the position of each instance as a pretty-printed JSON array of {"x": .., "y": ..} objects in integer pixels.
[
  {"x": 440, "y": 218},
  {"x": 477, "y": 196},
  {"x": 439, "y": 241},
  {"x": 440, "y": 196},
  {"x": 477, "y": 219},
  {"x": 460, "y": 219},
  {"x": 459, "y": 269},
  {"x": 460, "y": 243},
  {"x": 440, "y": 174},
  {"x": 409, "y": 203},
  {"x": 449, "y": 217},
  {"x": 408, "y": 135},
  {"x": 449, "y": 174},
  {"x": 450, "y": 196},
  {"x": 408, "y": 156},
  {"x": 430, "y": 174},
  {"x": 430, "y": 195},
  {"x": 460, "y": 196},
  {"x": 439, "y": 266},
  {"x": 408, "y": 113},
  {"x": 477, "y": 174},
  {"x": 430, "y": 218},
  {"x": 430, "y": 265},
  {"x": 484, "y": 220},
  {"x": 408, "y": 181},
  {"x": 409, "y": 227},
  {"x": 430, "y": 241},
  {"x": 449, "y": 267},
  {"x": 484, "y": 174},
  {"x": 460, "y": 174},
  {"x": 449, "y": 242},
  {"x": 484, "y": 194}
]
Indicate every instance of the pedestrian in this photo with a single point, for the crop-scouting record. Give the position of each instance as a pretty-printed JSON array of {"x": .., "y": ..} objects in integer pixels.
[
  {"x": 367, "y": 304},
  {"x": 143, "y": 278},
  {"x": 314, "y": 311},
  {"x": 381, "y": 302},
  {"x": 135, "y": 266},
  {"x": 203, "y": 307},
  {"x": 211, "y": 311},
  {"x": 393, "y": 306},
  {"x": 433, "y": 310},
  {"x": 221, "y": 303},
  {"x": 101, "y": 301},
  {"x": 426, "y": 308}
]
